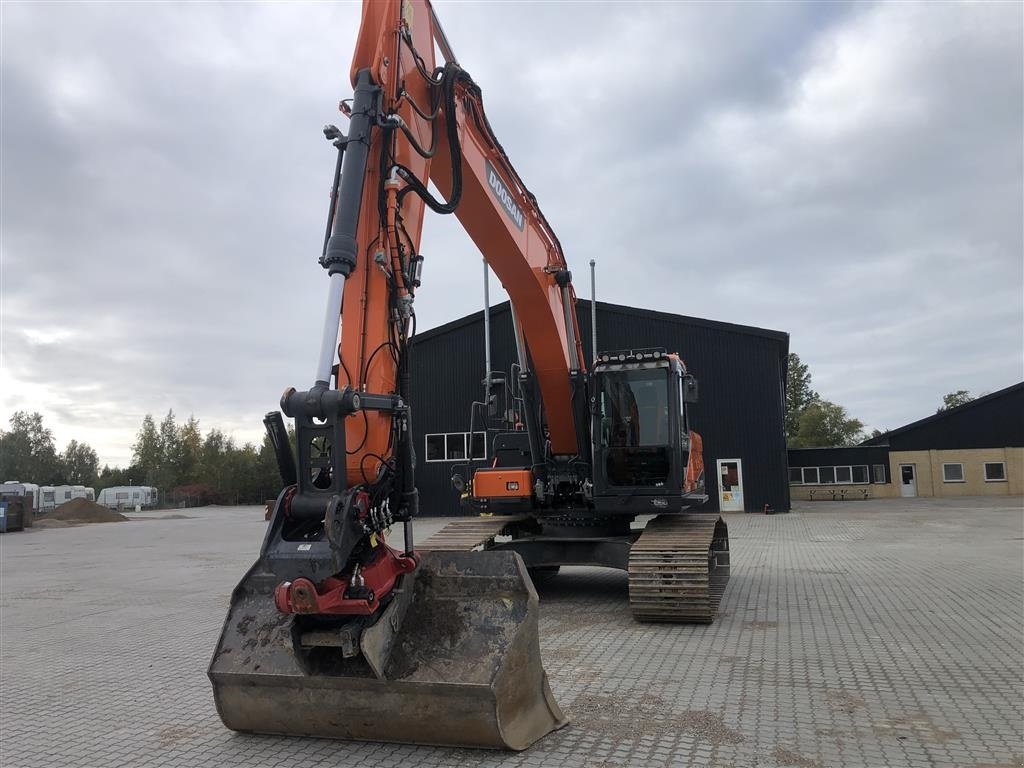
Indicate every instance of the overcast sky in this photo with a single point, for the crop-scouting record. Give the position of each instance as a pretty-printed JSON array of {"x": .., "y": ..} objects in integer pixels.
[{"x": 850, "y": 174}]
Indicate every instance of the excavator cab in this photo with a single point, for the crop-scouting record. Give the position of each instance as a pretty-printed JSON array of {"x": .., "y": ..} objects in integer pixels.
[
  {"x": 643, "y": 461},
  {"x": 646, "y": 458}
]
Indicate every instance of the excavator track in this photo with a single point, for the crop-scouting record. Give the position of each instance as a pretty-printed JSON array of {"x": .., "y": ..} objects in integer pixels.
[
  {"x": 678, "y": 569},
  {"x": 469, "y": 534}
]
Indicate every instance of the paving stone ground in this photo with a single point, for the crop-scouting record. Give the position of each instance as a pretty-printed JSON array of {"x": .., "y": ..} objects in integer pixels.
[{"x": 879, "y": 633}]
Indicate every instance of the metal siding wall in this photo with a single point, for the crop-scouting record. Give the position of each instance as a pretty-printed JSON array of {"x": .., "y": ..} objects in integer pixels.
[
  {"x": 739, "y": 415},
  {"x": 996, "y": 423}
]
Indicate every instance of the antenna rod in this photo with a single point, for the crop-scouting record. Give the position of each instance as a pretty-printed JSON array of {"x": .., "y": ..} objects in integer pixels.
[
  {"x": 593, "y": 311},
  {"x": 487, "y": 340}
]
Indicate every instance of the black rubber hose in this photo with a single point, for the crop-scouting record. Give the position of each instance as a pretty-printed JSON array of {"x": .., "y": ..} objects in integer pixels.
[
  {"x": 452, "y": 73},
  {"x": 282, "y": 447},
  {"x": 334, "y": 197}
]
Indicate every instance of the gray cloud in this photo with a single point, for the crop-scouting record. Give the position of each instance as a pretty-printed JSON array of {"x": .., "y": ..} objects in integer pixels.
[{"x": 851, "y": 174}]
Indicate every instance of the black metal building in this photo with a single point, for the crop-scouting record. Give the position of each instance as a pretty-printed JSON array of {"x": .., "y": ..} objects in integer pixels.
[
  {"x": 741, "y": 371},
  {"x": 992, "y": 420}
]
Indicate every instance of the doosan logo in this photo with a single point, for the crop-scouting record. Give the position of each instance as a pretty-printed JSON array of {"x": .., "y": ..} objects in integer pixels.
[{"x": 504, "y": 196}]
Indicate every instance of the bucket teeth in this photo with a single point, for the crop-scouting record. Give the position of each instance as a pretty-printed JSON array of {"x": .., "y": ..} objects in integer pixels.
[{"x": 453, "y": 660}]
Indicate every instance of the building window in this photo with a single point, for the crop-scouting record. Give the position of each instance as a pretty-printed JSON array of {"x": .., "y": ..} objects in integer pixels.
[
  {"x": 852, "y": 475},
  {"x": 478, "y": 445},
  {"x": 451, "y": 446},
  {"x": 435, "y": 447},
  {"x": 953, "y": 473},
  {"x": 455, "y": 446},
  {"x": 995, "y": 472},
  {"x": 878, "y": 473},
  {"x": 67, "y": 494}
]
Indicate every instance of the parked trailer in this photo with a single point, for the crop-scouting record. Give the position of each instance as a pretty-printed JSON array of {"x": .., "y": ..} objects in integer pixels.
[
  {"x": 128, "y": 496},
  {"x": 52, "y": 496},
  {"x": 25, "y": 489}
]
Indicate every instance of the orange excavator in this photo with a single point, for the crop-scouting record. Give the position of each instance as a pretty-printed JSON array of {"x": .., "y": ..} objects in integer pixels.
[{"x": 335, "y": 633}]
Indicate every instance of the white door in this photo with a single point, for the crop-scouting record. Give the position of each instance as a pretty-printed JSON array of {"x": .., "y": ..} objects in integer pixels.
[
  {"x": 730, "y": 485},
  {"x": 908, "y": 480}
]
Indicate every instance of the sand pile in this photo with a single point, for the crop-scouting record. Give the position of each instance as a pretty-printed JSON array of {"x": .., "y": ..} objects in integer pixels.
[{"x": 82, "y": 511}]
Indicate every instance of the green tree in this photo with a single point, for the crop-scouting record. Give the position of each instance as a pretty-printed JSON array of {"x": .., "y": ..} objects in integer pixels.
[
  {"x": 167, "y": 476},
  {"x": 826, "y": 425},
  {"x": 79, "y": 464},
  {"x": 212, "y": 461},
  {"x": 111, "y": 476},
  {"x": 147, "y": 454},
  {"x": 954, "y": 399},
  {"x": 799, "y": 394},
  {"x": 27, "y": 451},
  {"x": 246, "y": 476},
  {"x": 190, "y": 452},
  {"x": 235, "y": 471}
]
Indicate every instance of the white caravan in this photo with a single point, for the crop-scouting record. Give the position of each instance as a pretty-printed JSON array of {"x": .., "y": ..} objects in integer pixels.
[
  {"x": 52, "y": 496},
  {"x": 128, "y": 496},
  {"x": 22, "y": 489}
]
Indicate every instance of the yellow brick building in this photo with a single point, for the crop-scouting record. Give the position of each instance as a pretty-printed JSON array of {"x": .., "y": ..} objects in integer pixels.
[{"x": 976, "y": 449}]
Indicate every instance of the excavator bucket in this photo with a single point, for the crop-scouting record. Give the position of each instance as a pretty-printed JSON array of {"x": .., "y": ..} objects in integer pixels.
[{"x": 453, "y": 661}]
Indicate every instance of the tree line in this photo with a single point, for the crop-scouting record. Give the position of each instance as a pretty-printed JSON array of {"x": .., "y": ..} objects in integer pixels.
[
  {"x": 181, "y": 461},
  {"x": 199, "y": 469},
  {"x": 28, "y": 454}
]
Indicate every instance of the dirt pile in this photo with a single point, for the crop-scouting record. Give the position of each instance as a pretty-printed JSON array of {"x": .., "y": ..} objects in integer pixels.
[{"x": 82, "y": 511}]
